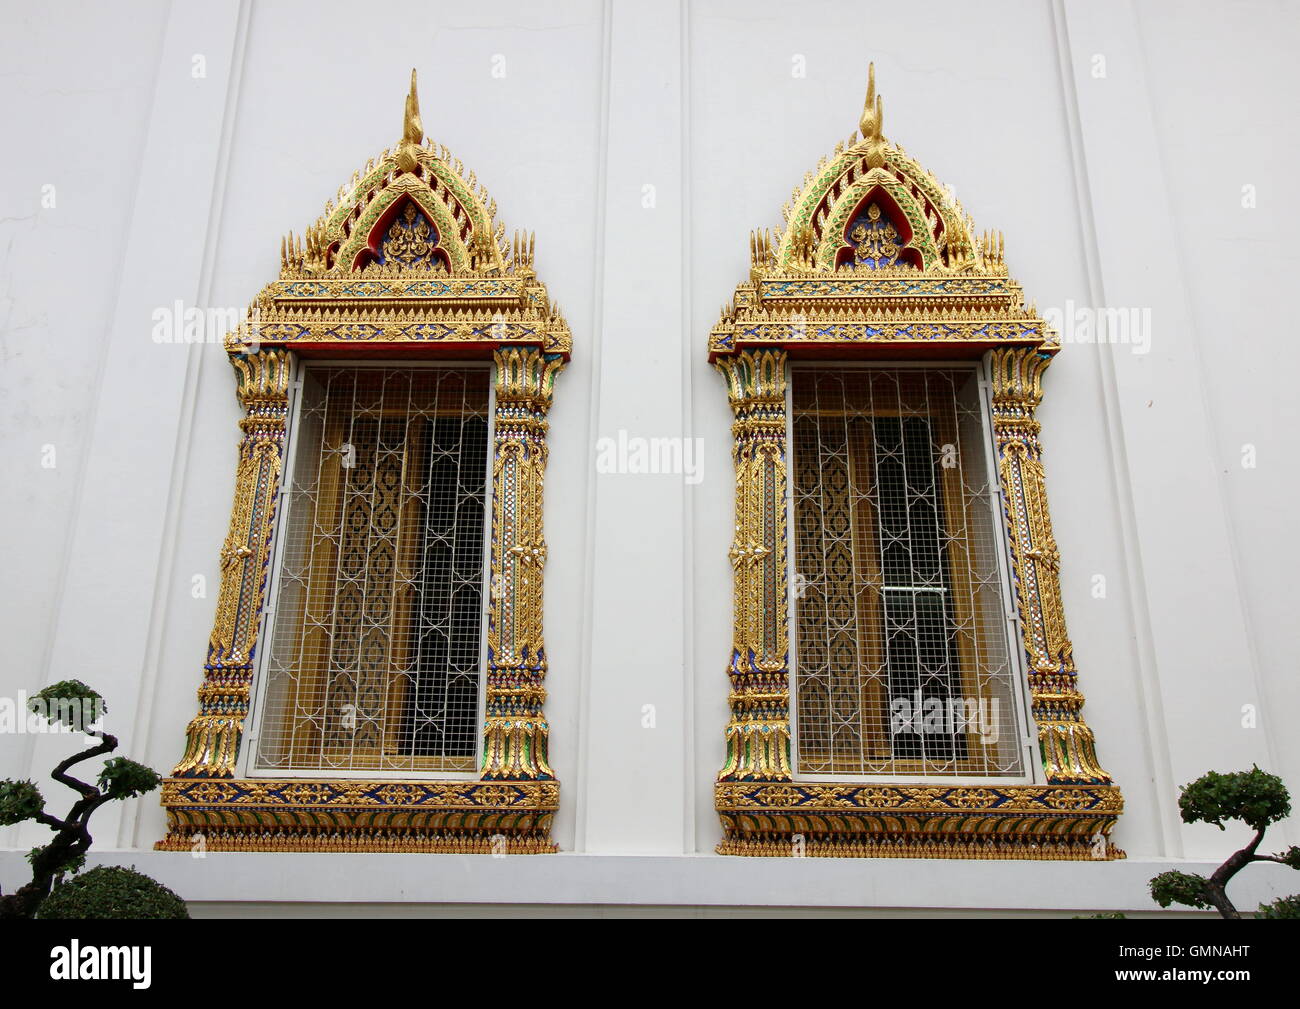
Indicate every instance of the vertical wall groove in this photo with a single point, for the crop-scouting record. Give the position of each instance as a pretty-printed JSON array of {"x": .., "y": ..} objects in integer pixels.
[{"x": 165, "y": 580}]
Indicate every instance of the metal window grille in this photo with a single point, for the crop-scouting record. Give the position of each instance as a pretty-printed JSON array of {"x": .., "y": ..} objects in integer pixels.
[
  {"x": 375, "y": 650},
  {"x": 902, "y": 659}
]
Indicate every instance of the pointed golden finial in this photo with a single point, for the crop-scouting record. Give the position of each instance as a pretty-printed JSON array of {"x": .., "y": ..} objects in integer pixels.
[
  {"x": 873, "y": 117},
  {"x": 412, "y": 131}
]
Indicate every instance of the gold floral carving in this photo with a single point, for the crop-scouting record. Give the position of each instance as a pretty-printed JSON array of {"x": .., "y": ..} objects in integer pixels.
[
  {"x": 516, "y": 731},
  {"x": 758, "y": 735}
]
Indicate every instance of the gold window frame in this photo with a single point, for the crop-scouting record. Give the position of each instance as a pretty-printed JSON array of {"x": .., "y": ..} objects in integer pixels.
[
  {"x": 944, "y": 295},
  {"x": 474, "y": 296}
]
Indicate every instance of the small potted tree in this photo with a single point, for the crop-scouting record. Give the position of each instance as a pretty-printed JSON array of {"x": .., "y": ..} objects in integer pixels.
[
  {"x": 72, "y": 704},
  {"x": 1258, "y": 799}
]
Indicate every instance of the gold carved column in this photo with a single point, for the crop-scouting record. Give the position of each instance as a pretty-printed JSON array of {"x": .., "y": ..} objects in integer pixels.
[
  {"x": 1065, "y": 740},
  {"x": 758, "y": 734},
  {"x": 213, "y": 736},
  {"x": 515, "y": 730}
]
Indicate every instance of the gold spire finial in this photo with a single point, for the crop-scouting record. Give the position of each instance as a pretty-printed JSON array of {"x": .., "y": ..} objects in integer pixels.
[
  {"x": 873, "y": 117},
  {"x": 412, "y": 131}
]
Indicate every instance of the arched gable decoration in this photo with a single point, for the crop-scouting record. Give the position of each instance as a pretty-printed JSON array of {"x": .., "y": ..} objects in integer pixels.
[
  {"x": 408, "y": 263},
  {"x": 879, "y": 262}
]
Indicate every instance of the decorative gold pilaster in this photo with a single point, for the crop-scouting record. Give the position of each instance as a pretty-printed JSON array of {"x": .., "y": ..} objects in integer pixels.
[
  {"x": 515, "y": 730},
  {"x": 758, "y": 735},
  {"x": 213, "y": 736},
  {"x": 1065, "y": 740}
]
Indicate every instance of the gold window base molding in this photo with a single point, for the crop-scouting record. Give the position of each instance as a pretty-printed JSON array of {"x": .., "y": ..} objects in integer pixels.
[
  {"x": 318, "y": 814},
  {"x": 872, "y": 820}
]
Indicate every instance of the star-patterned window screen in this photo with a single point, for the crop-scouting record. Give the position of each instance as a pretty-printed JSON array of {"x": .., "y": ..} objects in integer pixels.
[
  {"x": 375, "y": 645},
  {"x": 903, "y": 663}
]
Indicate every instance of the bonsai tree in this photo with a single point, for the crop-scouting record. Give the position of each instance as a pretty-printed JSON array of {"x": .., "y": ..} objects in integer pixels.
[
  {"x": 1258, "y": 799},
  {"x": 110, "y": 891},
  {"x": 72, "y": 704}
]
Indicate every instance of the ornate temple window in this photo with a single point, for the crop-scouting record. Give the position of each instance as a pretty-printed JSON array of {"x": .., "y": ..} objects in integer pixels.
[
  {"x": 386, "y": 537},
  {"x": 901, "y": 679}
]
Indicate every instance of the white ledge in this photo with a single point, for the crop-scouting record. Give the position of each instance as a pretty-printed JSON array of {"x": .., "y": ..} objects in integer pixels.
[{"x": 686, "y": 881}]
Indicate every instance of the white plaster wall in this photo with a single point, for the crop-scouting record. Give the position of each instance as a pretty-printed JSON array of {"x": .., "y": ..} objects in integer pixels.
[
  {"x": 1114, "y": 190},
  {"x": 1223, "y": 123},
  {"x": 74, "y": 117}
]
